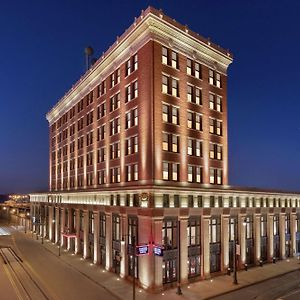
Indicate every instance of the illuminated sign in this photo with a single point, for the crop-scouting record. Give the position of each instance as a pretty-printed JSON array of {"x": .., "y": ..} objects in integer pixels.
[
  {"x": 142, "y": 250},
  {"x": 158, "y": 250}
]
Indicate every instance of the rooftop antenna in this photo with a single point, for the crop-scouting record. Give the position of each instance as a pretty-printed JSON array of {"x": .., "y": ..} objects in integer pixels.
[{"x": 89, "y": 51}]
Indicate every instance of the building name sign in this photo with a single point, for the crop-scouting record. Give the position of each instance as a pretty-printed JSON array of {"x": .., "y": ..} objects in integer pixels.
[{"x": 158, "y": 250}]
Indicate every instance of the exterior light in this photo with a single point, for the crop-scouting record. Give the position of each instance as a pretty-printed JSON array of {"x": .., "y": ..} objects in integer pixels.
[
  {"x": 4, "y": 207},
  {"x": 53, "y": 221}
]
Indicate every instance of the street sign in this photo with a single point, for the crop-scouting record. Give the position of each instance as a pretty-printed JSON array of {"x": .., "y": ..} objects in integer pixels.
[
  {"x": 142, "y": 250},
  {"x": 158, "y": 250}
]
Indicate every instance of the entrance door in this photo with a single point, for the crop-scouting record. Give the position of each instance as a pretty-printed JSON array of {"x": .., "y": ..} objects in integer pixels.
[
  {"x": 276, "y": 246},
  {"x": 263, "y": 249},
  {"x": 116, "y": 261},
  {"x": 249, "y": 252}
]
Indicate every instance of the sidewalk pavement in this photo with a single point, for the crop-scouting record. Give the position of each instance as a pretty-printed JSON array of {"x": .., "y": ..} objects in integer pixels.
[{"x": 206, "y": 289}]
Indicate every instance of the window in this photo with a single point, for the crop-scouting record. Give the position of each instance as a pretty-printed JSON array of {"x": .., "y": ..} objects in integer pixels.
[
  {"x": 131, "y": 65},
  {"x": 115, "y": 150},
  {"x": 131, "y": 118},
  {"x": 215, "y": 126},
  {"x": 214, "y": 230},
  {"x": 215, "y": 102},
  {"x": 101, "y": 133},
  {"x": 131, "y": 91},
  {"x": 169, "y": 234},
  {"x": 101, "y": 177},
  {"x": 131, "y": 145},
  {"x": 263, "y": 226},
  {"x": 101, "y": 154},
  {"x": 215, "y": 151},
  {"x": 90, "y": 179},
  {"x": 170, "y": 171},
  {"x": 215, "y": 176},
  {"x": 116, "y": 228},
  {"x": 170, "y": 85},
  {"x": 170, "y": 58},
  {"x": 214, "y": 78},
  {"x": 170, "y": 114},
  {"x": 194, "y": 94},
  {"x": 89, "y": 138},
  {"x": 193, "y": 68},
  {"x": 115, "y": 175},
  {"x": 164, "y": 55},
  {"x": 194, "y": 120},
  {"x": 249, "y": 227},
  {"x": 194, "y": 174},
  {"x": 170, "y": 142},
  {"x": 115, "y": 126},
  {"x": 193, "y": 232},
  {"x": 101, "y": 110},
  {"x": 174, "y": 60},
  {"x": 102, "y": 88},
  {"x": 115, "y": 102},
  {"x": 89, "y": 159},
  {"x": 132, "y": 172}
]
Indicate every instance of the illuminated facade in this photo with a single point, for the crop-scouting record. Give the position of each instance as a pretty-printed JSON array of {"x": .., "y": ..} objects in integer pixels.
[{"x": 138, "y": 155}]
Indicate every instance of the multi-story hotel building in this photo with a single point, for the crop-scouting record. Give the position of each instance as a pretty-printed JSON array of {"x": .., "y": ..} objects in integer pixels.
[{"x": 138, "y": 156}]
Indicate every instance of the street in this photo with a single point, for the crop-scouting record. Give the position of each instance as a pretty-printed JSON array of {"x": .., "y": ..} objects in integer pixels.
[
  {"x": 32, "y": 272},
  {"x": 284, "y": 287}
]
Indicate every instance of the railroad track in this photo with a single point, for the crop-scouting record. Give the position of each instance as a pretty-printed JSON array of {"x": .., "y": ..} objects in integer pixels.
[{"x": 27, "y": 287}]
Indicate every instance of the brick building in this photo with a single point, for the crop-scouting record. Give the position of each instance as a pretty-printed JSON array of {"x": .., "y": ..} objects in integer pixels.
[{"x": 139, "y": 156}]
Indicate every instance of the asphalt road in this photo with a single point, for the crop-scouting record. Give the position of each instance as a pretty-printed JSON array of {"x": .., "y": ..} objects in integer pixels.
[
  {"x": 285, "y": 287},
  {"x": 39, "y": 274}
]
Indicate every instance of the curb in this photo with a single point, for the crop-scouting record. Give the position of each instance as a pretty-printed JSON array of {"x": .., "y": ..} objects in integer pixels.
[{"x": 249, "y": 284}]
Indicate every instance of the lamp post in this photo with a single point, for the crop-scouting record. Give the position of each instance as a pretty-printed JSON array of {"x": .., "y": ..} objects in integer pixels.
[
  {"x": 179, "y": 291},
  {"x": 133, "y": 265}
]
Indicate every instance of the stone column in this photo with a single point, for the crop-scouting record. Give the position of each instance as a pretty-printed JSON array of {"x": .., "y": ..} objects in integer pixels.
[
  {"x": 158, "y": 260},
  {"x": 293, "y": 233},
  {"x": 257, "y": 237},
  {"x": 108, "y": 241},
  {"x": 242, "y": 239},
  {"x": 57, "y": 215},
  {"x": 146, "y": 262},
  {"x": 63, "y": 240},
  {"x": 183, "y": 249},
  {"x": 271, "y": 236},
  {"x": 77, "y": 239},
  {"x": 71, "y": 228},
  {"x": 206, "y": 247},
  {"x": 282, "y": 235},
  {"x": 50, "y": 227},
  {"x": 225, "y": 242},
  {"x": 86, "y": 249},
  {"x": 96, "y": 237},
  {"x": 124, "y": 252}
]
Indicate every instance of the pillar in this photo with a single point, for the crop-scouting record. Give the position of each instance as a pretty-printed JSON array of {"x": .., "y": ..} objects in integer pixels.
[
  {"x": 158, "y": 260},
  {"x": 57, "y": 216},
  {"x": 183, "y": 249},
  {"x": 96, "y": 237},
  {"x": 225, "y": 242},
  {"x": 271, "y": 236},
  {"x": 206, "y": 248},
  {"x": 242, "y": 239},
  {"x": 108, "y": 241},
  {"x": 124, "y": 239},
  {"x": 50, "y": 220},
  {"x": 86, "y": 251},
  {"x": 257, "y": 237},
  {"x": 282, "y": 235},
  {"x": 293, "y": 234},
  {"x": 77, "y": 239}
]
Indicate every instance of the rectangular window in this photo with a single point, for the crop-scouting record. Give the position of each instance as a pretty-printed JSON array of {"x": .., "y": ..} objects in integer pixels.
[
  {"x": 164, "y": 55},
  {"x": 174, "y": 60}
]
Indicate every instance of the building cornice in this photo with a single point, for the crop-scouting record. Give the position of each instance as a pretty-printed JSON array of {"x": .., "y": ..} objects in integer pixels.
[{"x": 151, "y": 25}]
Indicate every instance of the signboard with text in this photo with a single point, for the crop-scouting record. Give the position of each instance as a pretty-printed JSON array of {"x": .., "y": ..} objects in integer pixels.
[
  {"x": 142, "y": 250},
  {"x": 158, "y": 250}
]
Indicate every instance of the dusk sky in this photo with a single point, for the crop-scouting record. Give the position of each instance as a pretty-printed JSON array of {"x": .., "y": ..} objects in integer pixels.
[{"x": 42, "y": 55}]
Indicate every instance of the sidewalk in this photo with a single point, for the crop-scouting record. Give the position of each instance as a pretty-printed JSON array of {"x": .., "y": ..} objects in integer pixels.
[{"x": 122, "y": 289}]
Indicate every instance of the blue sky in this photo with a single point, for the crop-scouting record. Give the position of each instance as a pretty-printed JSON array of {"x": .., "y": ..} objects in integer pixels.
[{"x": 41, "y": 56}]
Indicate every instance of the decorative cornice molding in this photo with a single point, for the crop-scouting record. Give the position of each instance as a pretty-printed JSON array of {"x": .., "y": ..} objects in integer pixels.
[{"x": 151, "y": 27}]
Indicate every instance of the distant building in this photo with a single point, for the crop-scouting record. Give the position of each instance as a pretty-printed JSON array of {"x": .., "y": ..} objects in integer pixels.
[{"x": 139, "y": 155}]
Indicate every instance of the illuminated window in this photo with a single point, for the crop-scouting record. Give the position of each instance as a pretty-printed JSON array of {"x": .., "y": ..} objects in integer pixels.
[
  {"x": 189, "y": 93},
  {"x": 175, "y": 115},
  {"x": 214, "y": 78},
  {"x": 165, "y": 143},
  {"x": 135, "y": 62},
  {"x": 175, "y": 87},
  {"x": 165, "y": 171},
  {"x": 165, "y": 113},
  {"x": 165, "y": 84},
  {"x": 174, "y": 60},
  {"x": 189, "y": 66},
  {"x": 190, "y": 147},
  {"x": 190, "y": 173},
  {"x": 164, "y": 55}
]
